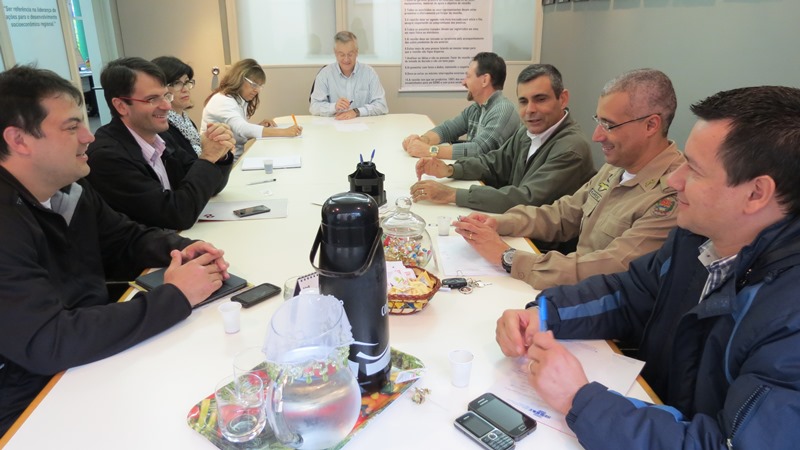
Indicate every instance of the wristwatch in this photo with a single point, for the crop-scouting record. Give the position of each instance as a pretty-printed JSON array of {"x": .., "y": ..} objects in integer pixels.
[
  {"x": 434, "y": 149},
  {"x": 358, "y": 113},
  {"x": 508, "y": 258}
]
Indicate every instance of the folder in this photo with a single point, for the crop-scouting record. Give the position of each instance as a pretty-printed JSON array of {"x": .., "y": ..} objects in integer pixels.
[{"x": 150, "y": 281}]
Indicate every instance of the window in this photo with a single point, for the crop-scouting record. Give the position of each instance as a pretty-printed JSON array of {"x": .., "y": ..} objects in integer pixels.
[{"x": 295, "y": 32}]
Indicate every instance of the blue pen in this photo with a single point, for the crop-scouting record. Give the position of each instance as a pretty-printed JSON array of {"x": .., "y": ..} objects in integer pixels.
[
  {"x": 542, "y": 313},
  {"x": 373, "y": 155},
  {"x": 361, "y": 157}
]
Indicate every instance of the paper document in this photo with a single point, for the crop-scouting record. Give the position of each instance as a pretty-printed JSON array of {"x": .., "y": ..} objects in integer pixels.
[
  {"x": 279, "y": 207},
  {"x": 458, "y": 258},
  {"x": 350, "y": 126},
  {"x": 278, "y": 162},
  {"x": 600, "y": 363}
]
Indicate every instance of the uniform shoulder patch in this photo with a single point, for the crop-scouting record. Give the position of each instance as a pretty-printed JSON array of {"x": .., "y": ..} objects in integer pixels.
[{"x": 665, "y": 206}]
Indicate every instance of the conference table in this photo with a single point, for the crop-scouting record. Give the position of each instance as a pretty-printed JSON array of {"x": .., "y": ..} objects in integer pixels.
[{"x": 140, "y": 397}]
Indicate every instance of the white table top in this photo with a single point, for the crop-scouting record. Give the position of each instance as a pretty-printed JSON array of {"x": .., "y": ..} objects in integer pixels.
[{"x": 140, "y": 398}]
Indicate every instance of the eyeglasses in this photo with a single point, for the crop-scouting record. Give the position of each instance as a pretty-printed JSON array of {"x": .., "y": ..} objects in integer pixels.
[
  {"x": 608, "y": 127},
  {"x": 154, "y": 100},
  {"x": 253, "y": 84},
  {"x": 179, "y": 85}
]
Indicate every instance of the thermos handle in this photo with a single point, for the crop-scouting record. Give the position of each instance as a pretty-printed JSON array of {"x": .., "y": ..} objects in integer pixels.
[
  {"x": 331, "y": 273},
  {"x": 275, "y": 413}
]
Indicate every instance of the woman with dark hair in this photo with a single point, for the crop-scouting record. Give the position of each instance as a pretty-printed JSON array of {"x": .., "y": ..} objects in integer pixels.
[
  {"x": 236, "y": 100},
  {"x": 180, "y": 81}
]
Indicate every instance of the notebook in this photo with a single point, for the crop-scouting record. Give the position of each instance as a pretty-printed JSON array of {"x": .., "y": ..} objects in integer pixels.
[{"x": 155, "y": 278}]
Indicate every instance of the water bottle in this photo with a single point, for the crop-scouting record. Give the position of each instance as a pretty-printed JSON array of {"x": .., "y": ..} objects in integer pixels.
[{"x": 352, "y": 268}]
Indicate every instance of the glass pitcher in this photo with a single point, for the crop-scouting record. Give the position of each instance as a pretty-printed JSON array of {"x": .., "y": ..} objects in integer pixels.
[{"x": 314, "y": 398}]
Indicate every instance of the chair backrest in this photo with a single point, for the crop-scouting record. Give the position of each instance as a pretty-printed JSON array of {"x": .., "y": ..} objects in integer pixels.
[{"x": 313, "y": 83}]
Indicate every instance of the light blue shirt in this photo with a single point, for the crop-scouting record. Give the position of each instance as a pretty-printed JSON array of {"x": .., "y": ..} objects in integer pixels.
[{"x": 363, "y": 87}]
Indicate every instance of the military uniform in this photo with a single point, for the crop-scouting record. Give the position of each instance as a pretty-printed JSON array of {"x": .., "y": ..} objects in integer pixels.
[{"x": 615, "y": 223}]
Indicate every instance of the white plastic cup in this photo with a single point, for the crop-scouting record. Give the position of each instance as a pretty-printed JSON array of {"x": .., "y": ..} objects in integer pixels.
[
  {"x": 444, "y": 225},
  {"x": 231, "y": 312},
  {"x": 460, "y": 367},
  {"x": 268, "y": 166}
]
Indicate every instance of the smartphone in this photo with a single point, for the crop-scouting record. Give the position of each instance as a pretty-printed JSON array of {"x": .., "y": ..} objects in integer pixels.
[
  {"x": 505, "y": 417},
  {"x": 483, "y": 432},
  {"x": 256, "y": 295},
  {"x": 251, "y": 211}
]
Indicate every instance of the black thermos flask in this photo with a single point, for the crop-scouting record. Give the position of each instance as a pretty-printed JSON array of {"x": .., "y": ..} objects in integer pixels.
[{"x": 352, "y": 268}]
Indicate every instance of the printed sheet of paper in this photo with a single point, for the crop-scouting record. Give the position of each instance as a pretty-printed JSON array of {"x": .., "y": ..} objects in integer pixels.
[
  {"x": 458, "y": 258},
  {"x": 600, "y": 363},
  {"x": 278, "y": 162},
  {"x": 224, "y": 210}
]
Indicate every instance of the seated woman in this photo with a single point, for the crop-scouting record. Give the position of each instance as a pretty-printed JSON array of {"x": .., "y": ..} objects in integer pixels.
[
  {"x": 236, "y": 100},
  {"x": 180, "y": 82}
]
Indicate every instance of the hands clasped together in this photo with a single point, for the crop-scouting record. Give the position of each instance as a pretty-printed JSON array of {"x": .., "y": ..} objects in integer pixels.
[
  {"x": 197, "y": 271},
  {"x": 416, "y": 146}
]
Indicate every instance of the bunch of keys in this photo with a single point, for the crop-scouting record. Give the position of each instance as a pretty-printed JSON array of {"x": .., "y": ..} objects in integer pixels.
[{"x": 464, "y": 285}]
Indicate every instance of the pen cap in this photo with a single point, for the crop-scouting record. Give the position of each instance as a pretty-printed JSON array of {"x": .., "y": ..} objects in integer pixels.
[{"x": 367, "y": 180}]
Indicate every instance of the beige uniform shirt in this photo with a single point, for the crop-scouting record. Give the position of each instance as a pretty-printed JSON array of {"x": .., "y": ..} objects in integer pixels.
[{"x": 614, "y": 222}]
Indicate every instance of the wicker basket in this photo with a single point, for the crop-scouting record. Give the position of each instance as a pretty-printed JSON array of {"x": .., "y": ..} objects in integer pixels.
[{"x": 409, "y": 304}]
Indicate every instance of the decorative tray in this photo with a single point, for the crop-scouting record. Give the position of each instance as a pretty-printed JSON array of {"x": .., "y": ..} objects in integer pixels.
[{"x": 203, "y": 416}]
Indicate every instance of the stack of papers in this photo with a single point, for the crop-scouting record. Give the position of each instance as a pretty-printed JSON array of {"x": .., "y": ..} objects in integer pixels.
[{"x": 278, "y": 162}]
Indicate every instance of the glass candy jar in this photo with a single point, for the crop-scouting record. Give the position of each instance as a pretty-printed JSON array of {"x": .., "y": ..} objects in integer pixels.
[{"x": 405, "y": 237}]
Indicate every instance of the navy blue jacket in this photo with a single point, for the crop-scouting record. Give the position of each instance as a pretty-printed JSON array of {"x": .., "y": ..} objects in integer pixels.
[{"x": 729, "y": 366}]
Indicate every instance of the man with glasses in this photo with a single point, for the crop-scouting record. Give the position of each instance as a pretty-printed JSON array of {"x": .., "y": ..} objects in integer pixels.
[
  {"x": 626, "y": 210},
  {"x": 60, "y": 242},
  {"x": 347, "y": 89},
  {"x": 715, "y": 309},
  {"x": 136, "y": 165},
  {"x": 487, "y": 123}
]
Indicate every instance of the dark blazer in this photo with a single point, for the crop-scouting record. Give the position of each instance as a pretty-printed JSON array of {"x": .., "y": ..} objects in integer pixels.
[
  {"x": 180, "y": 140},
  {"x": 126, "y": 181}
]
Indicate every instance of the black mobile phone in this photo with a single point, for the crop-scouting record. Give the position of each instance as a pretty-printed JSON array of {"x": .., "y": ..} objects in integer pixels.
[
  {"x": 483, "y": 432},
  {"x": 505, "y": 417},
  {"x": 251, "y": 211},
  {"x": 256, "y": 295}
]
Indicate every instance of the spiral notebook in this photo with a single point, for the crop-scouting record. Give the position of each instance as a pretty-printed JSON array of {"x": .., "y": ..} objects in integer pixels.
[{"x": 150, "y": 281}]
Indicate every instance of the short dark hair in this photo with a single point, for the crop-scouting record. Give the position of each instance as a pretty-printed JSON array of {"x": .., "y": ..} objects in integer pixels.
[
  {"x": 119, "y": 77},
  {"x": 535, "y": 71},
  {"x": 494, "y": 65},
  {"x": 763, "y": 137},
  {"x": 173, "y": 68},
  {"x": 22, "y": 89}
]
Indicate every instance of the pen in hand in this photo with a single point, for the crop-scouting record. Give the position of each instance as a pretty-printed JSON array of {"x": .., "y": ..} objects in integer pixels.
[
  {"x": 294, "y": 119},
  {"x": 542, "y": 313},
  {"x": 262, "y": 181}
]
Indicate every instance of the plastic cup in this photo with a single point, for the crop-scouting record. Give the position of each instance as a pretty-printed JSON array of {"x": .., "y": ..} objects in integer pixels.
[
  {"x": 460, "y": 367},
  {"x": 288, "y": 287},
  {"x": 268, "y": 166},
  {"x": 444, "y": 225},
  {"x": 241, "y": 415},
  {"x": 231, "y": 316}
]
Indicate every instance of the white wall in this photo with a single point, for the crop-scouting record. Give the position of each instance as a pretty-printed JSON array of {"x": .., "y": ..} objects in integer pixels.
[{"x": 704, "y": 46}]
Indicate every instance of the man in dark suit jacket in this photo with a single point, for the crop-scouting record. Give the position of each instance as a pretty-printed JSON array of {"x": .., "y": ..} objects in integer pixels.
[{"x": 137, "y": 166}]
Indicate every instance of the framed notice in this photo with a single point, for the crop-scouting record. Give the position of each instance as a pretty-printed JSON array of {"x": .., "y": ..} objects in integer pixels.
[{"x": 439, "y": 40}]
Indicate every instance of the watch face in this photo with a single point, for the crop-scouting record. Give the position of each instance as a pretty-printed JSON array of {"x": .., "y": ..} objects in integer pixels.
[
  {"x": 508, "y": 256},
  {"x": 434, "y": 149}
]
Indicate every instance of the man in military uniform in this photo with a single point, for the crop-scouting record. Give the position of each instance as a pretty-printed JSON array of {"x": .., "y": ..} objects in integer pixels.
[{"x": 626, "y": 210}]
